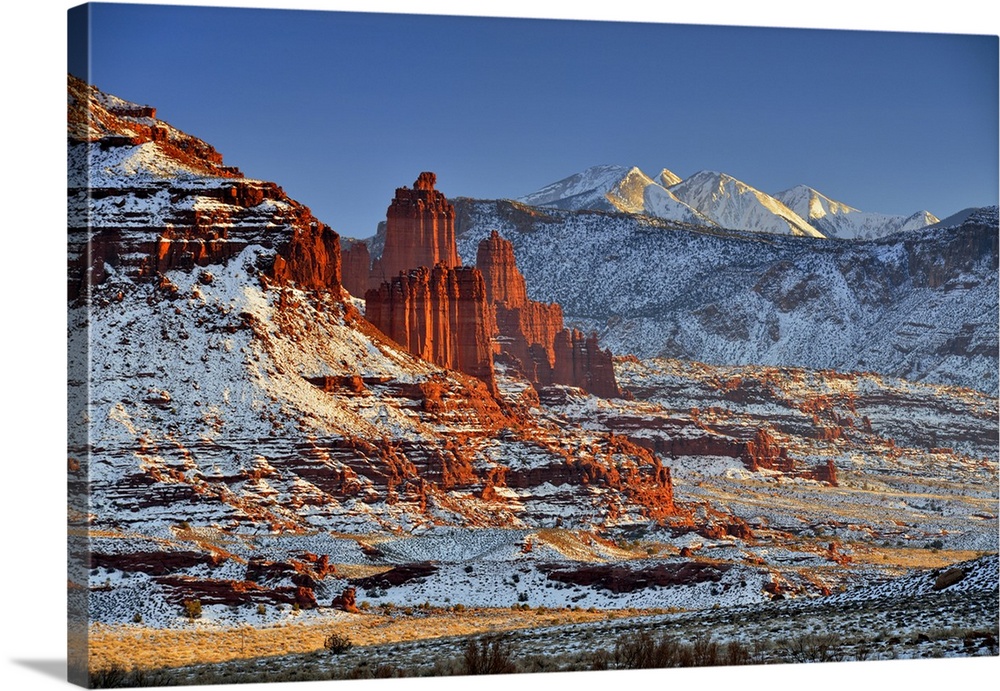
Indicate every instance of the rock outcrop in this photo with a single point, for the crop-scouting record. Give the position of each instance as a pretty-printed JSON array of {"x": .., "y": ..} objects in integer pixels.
[
  {"x": 145, "y": 198},
  {"x": 533, "y": 333},
  {"x": 355, "y": 263},
  {"x": 439, "y": 314},
  {"x": 420, "y": 231},
  {"x": 346, "y": 601},
  {"x": 581, "y": 362},
  {"x": 763, "y": 451}
]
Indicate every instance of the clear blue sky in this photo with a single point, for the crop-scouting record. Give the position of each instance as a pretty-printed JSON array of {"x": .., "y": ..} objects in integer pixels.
[{"x": 342, "y": 108}]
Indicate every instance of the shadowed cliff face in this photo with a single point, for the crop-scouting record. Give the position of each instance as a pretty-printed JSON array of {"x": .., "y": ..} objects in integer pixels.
[{"x": 532, "y": 333}]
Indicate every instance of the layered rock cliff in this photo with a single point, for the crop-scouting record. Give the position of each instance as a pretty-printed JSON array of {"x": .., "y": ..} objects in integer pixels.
[
  {"x": 145, "y": 198},
  {"x": 439, "y": 314},
  {"x": 533, "y": 333}
]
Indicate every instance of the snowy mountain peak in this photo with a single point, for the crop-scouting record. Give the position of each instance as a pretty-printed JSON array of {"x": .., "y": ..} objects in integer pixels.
[
  {"x": 732, "y": 203},
  {"x": 666, "y": 178},
  {"x": 714, "y": 198},
  {"x": 838, "y": 220},
  {"x": 577, "y": 189},
  {"x": 811, "y": 204},
  {"x": 616, "y": 188}
]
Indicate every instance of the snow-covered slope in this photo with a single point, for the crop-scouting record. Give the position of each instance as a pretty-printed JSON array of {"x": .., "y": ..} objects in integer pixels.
[
  {"x": 705, "y": 198},
  {"x": 838, "y": 220},
  {"x": 584, "y": 190},
  {"x": 735, "y": 204},
  {"x": 921, "y": 305},
  {"x": 617, "y": 188}
]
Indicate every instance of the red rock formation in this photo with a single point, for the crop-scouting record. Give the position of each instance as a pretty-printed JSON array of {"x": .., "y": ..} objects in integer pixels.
[
  {"x": 438, "y": 314},
  {"x": 580, "y": 362},
  {"x": 214, "y": 591},
  {"x": 826, "y": 472},
  {"x": 151, "y": 224},
  {"x": 504, "y": 282},
  {"x": 154, "y": 563},
  {"x": 355, "y": 263},
  {"x": 532, "y": 332},
  {"x": 764, "y": 452},
  {"x": 346, "y": 601},
  {"x": 627, "y": 579},
  {"x": 420, "y": 231}
]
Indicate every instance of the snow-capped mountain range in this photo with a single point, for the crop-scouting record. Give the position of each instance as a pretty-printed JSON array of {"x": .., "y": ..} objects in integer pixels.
[{"x": 716, "y": 199}]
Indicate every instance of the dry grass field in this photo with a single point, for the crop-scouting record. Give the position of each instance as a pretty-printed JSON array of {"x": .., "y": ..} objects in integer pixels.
[{"x": 138, "y": 647}]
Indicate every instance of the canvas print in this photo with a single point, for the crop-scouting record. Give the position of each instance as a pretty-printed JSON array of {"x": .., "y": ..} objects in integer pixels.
[{"x": 425, "y": 345}]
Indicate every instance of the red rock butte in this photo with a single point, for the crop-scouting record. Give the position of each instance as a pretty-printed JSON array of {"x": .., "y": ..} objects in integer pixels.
[{"x": 419, "y": 231}]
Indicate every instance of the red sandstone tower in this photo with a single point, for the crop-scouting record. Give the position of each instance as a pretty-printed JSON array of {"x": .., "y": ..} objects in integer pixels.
[
  {"x": 419, "y": 231},
  {"x": 421, "y": 296},
  {"x": 532, "y": 332}
]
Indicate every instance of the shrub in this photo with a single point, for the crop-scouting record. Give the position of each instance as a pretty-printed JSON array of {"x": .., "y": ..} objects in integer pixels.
[
  {"x": 116, "y": 677},
  {"x": 192, "y": 609},
  {"x": 643, "y": 651},
  {"x": 737, "y": 654},
  {"x": 337, "y": 643},
  {"x": 492, "y": 654},
  {"x": 136, "y": 618}
]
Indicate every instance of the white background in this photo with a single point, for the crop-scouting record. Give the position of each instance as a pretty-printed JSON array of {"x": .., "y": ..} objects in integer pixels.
[{"x": 32, "y": 280}]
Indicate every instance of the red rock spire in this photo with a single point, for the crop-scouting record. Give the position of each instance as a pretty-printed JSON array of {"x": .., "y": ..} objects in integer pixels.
[
  {"x": 423, "y": 299},
  {"x": 419, "y": 230},
  {"x": 532, "y": 332}
]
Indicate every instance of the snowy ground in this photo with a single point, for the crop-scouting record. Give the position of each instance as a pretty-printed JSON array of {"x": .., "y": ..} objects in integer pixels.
[{"x": 904, "y": 621}]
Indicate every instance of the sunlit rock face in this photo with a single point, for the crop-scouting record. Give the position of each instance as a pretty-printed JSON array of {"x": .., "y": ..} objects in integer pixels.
[
  {"x": 439, "y": 314},
  {"x": 146, "y": 198},
  {"x": 420, "y": 230}
]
